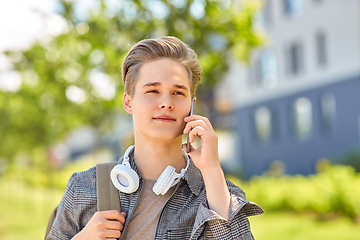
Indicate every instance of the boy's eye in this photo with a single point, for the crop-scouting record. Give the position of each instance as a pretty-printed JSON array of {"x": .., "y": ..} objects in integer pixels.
[
  {"x": 178, "y": 93},
  {"x": 152, "y": 91}
]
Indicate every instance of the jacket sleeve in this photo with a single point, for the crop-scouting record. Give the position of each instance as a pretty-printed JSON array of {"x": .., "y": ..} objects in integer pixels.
[
  {"x": 210, "y": 225},
  {"x": 65, "y": 225}
]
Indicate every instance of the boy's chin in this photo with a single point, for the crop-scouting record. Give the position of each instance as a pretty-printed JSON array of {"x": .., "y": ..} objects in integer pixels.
[{"x": 168, "y": 136}]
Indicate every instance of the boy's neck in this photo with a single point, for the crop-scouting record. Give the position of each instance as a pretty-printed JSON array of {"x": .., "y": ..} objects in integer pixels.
[{"x": 152, "y": 158}]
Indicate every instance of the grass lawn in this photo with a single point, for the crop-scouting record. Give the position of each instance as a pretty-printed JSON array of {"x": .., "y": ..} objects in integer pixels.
[
  {"x": 285, "y": 226},
  {"x": 24, "y": 212}
]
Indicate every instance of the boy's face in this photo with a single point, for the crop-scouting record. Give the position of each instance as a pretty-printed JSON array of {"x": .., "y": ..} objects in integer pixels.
[{"x": 161, "y": 100}]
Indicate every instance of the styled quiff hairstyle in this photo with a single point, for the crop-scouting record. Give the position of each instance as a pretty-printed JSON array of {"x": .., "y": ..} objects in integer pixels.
[{"x": 153, "y": 49}]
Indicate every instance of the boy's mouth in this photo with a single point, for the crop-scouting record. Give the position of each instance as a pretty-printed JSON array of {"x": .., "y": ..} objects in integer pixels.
[{"x": 164, "y": 118}]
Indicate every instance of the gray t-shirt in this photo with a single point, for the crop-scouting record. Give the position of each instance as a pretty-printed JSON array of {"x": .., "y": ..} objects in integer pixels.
[{"x": 144, "y": 220}]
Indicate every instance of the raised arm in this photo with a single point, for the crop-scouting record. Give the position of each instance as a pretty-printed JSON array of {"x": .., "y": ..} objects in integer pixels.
[{"x": 206, "y": 158}]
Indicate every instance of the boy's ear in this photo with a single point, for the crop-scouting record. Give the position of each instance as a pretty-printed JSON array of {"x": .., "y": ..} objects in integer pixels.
[{"x": 127, "y": 103}]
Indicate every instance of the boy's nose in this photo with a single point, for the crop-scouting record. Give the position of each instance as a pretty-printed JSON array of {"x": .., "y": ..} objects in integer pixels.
[
  {"x": 166, "y": 103},
  {"x": 166, "y": 106}
]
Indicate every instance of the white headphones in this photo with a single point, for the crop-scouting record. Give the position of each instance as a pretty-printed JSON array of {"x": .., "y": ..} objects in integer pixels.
[{"x": 126, "y": 179}]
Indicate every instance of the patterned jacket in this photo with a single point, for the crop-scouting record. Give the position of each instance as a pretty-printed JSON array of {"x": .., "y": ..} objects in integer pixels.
[{"x": 186, "y": 215}]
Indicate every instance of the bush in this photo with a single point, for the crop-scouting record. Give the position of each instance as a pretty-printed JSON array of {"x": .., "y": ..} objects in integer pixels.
[
  {"x": 49, "y": 178},
  {"x": 336, "y": 189}
]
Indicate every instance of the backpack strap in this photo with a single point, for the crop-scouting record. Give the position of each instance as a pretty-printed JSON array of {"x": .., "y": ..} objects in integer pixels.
[
  {"x": 107, "y": 195},
  {"x": 50, "y": 222}
]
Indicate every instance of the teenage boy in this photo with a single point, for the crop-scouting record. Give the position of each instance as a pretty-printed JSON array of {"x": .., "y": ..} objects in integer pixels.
[{"x": 160, "y": 78}]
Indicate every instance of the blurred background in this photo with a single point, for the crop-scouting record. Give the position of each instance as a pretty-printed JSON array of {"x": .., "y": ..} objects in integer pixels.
[{"x": 281, "y": 84}]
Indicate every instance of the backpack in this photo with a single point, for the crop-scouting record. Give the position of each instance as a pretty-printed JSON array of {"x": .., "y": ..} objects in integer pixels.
[{"x": 107, "y": 194}]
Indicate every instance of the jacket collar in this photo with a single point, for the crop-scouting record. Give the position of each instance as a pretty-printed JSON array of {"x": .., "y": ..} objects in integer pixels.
[{"x": 194, "y": 178}]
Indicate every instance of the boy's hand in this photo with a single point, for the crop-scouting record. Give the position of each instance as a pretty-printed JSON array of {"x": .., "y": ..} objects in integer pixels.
[
  {"x": 103, "y": 225},
  {"x": 205, "y": 157}
]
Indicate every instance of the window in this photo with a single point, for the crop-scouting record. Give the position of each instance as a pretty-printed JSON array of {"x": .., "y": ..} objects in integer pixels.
[
  {"x": 303, "y": 118},
  {"x": 321, "y": 55},
  {"x": 295, "y": 59},
  {"x": 268, "y": 68},
  {"x": 328, "y": 113},
  {"x": 265, "y": 70},
  {"x": 292, "y": 8},
  {"x": 263, "y": 124}
]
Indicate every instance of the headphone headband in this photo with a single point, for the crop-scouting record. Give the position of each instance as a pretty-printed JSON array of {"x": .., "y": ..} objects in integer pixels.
[{"x": 126, "y": 179}]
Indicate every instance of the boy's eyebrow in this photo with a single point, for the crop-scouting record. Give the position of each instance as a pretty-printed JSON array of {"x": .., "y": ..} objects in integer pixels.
[
  {"x": 152, "y": 84},
  {"x": 181, "y": 86}
]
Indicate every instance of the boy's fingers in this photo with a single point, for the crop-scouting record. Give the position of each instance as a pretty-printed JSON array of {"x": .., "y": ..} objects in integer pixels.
[
  {"x": 112, "y": 234},
  {"x": 193, "y": 124},
  {"x": 115, "y": 225},
  {"x": 193, "y": 116},
  {"x": 113, "y": 215},
  {"x": 197, "y": 117},
  {"x": 197, "y": 131}
]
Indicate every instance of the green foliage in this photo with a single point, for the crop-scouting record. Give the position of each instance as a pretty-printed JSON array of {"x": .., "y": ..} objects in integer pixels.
[
  {"x": 334, "y": 190},
  {"x": 48, "y": 178},
  {"x": 40, "y": 113},
  {"x": 352, "y": 158}
]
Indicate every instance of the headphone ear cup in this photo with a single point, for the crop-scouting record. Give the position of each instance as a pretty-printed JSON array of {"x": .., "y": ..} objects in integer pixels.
[
  {"x": 124, "y": 178},
  {"x": 165, "y": 181}
]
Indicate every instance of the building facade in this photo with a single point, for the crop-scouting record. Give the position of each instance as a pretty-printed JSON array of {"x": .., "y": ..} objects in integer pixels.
[{"x": 298, "y": 99}]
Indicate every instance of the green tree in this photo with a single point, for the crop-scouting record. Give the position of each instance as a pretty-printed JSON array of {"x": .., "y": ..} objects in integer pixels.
[{"x": 75, "y": 78}]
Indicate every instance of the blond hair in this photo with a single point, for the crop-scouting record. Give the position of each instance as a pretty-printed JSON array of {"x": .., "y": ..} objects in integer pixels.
[{"x": 152, "y": 49}]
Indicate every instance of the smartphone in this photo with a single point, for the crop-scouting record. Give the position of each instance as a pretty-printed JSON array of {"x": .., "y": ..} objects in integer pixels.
[{"x": 191, "y": 112}]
